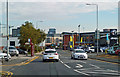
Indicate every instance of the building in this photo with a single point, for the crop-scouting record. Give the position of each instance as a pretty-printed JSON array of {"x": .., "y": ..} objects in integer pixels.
[
  {"x": 13, "y": 41},
  {"x": 55, "y": 39},
  {"x": 16, "y": 32},
  {"x": 87, "y": 39},
  {"x": 52, "y": 31}
]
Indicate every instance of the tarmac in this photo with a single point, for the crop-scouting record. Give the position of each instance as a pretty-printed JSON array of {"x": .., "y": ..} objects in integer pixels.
[{"x": 101, "y": 56}]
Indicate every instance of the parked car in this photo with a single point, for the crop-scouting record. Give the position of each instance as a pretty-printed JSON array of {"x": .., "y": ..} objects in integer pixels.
[
  {"x": 4, "y": 55},
  {"x": 22, "y": 51},
  {"x": 12, "y": 50},
  {"x": 90, "y": 49},
  {"x": 79, "y": 54},
  {"x": 117, "y": 52},
  {"x": 50, "y": 54},
  {"x": 111, "y": 50}
]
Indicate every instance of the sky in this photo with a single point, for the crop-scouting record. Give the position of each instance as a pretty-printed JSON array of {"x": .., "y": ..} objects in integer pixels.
[{"x": 64, "y": 15}]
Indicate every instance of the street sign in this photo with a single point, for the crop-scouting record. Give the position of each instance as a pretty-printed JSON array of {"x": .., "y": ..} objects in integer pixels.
[{"x": 97, "y": 34}]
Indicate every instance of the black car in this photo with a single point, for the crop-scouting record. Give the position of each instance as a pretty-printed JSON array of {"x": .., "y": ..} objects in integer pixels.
[{"x": 22, "y": 51}]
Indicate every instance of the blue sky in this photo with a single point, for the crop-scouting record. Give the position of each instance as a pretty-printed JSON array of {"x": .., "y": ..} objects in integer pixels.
[{"x": 64, "y": 16}]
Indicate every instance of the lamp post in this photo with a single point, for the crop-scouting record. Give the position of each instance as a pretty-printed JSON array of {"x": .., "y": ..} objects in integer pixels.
[
  {"x": 7, "y": 31},
  {"x": 79, "y": 33},
  {"x": 37, "y": 28},
  {"x": 37, "y": 23},
  {"x": 97, "y": 23}
]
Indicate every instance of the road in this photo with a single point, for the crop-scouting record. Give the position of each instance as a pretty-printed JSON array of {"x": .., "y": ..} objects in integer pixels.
[{"x": 66, "y": 67}]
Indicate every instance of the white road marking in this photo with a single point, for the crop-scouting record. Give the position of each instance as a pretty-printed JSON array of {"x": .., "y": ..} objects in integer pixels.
[
  {"x": 67, "y": 66},
  {"x": 112, "y": 70},
  {"x": 79, "y": 66},
  {"x": 94, "y": 65},
  {"x": 81, "y": 72}
]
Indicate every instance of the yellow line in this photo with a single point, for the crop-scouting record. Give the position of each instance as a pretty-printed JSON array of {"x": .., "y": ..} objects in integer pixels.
[
  {"x": 22, "y": 62},
  {"x": 104, "y": 61}
]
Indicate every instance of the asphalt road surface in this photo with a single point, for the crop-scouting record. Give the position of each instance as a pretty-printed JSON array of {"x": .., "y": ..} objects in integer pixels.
[{"x": 67, "y": 67}]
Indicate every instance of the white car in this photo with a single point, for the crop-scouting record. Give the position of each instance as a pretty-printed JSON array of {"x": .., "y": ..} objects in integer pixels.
[
  {"x": 79, "y": 54},
  {"x": 50, "y": 54},
  {"x": 4, "y": 55},
  {"x": 12, "y": 50}
]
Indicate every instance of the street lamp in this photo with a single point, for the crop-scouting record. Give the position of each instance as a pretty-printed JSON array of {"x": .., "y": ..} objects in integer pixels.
[
  {"x": 79, "y": 33},
  {"x": 7, "y": 30},
  {"x": 37, "y": 23},
  {"x": 97, "y": 22}
]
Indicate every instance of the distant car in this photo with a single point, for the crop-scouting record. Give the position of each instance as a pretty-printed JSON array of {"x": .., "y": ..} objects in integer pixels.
[
  {"x": 22, "y": 51},
  {"x": 79, "y": 54},
  {"x": 4, "y": 55},
  {"x": 90, "y": 49},
  {"x": 117, "y": 52},
  {"x": 12, "y": 50},
  {"x": 111, "y": 50},
  {"x": 50, "y": 54}
]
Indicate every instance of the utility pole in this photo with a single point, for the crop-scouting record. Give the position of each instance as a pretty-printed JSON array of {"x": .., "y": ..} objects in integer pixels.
[{"x": 7, "y": 32}]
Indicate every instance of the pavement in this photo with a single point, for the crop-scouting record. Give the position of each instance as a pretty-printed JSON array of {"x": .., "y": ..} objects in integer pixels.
[{"x": 20, "y": 59}]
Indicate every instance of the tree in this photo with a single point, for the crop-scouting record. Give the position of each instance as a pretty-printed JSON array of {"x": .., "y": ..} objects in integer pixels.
[{"x": 27, "y": 31}]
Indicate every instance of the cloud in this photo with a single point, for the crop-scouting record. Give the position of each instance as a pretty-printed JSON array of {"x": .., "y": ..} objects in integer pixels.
[
  {"x": 54, "y": 10},
  {"x": 61, "y": 0}
]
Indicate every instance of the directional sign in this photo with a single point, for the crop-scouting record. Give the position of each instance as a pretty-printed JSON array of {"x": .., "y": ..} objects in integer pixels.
[{"x": 97, "y": 34}]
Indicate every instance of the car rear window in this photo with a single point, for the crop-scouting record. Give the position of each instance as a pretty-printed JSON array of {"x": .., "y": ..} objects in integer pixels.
[
  {"x": 50, "y": 51},
  {"x": 12, "y": 48},
  {"x": 79, "y": 51}
]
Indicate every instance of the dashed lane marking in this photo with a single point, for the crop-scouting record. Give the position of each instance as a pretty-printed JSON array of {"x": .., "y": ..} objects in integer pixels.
[
  {"x": 94, "y": 65},
  {"x": 67, "y": 66},
  {"x": 81, "y": 72}
]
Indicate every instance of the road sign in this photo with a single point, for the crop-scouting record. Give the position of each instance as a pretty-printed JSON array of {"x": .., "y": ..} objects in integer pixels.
[{"x": 97, "y": 34}]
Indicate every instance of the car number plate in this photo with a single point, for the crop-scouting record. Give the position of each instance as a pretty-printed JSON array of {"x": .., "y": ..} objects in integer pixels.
[{"x": 50, "y": 57}]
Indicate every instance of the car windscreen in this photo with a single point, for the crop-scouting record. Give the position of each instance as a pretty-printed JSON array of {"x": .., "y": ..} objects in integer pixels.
[
  {"x": 79, "y": 51},
  {"x": 12, "y": 48},
  {"x": 50, "y": 51}
]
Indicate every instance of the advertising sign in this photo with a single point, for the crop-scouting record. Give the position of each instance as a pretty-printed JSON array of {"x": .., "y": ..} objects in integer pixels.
[{"x": 113, "y": 32}]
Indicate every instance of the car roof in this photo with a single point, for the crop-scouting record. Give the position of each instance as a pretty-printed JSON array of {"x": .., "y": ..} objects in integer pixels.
[{"x": 50, "y": 50}]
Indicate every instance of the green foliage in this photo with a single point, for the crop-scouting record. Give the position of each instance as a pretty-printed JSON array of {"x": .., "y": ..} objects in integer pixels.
[{"x": 27, "y": 31}]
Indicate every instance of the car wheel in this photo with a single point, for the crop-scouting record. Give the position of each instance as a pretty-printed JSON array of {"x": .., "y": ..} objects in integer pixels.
[
  {"x": 71, "y": 57},
  {"x": 43, "y": 60},
  {"x": 90, "y": 51},
  {"x": 17, "y": 55},
  {"x": 119, "y": 54},
  {"x": 57, "y": 60}
]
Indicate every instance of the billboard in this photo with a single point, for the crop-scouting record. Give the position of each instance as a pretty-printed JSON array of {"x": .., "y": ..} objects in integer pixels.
[
  {"x": 113, "y": 32},
  {"x": 113, "y": 36}
]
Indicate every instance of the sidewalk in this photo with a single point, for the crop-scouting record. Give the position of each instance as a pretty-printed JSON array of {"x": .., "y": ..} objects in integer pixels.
[
  {"x": 105, "y": 57},
  {"x": 20, "y": 59}
]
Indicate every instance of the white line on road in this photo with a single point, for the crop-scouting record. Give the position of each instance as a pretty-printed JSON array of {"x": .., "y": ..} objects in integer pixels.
[
  {"x": 83, "y": 62},
  {"x": 79, "y": 66},
  {"x": 67, "y": 66},
  {"x": 81, "y": 72},
  {"x": 94, "y": 65}
]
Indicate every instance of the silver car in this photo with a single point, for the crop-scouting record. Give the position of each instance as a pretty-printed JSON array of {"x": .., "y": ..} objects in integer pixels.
[{"x": 12, "y": 50}]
